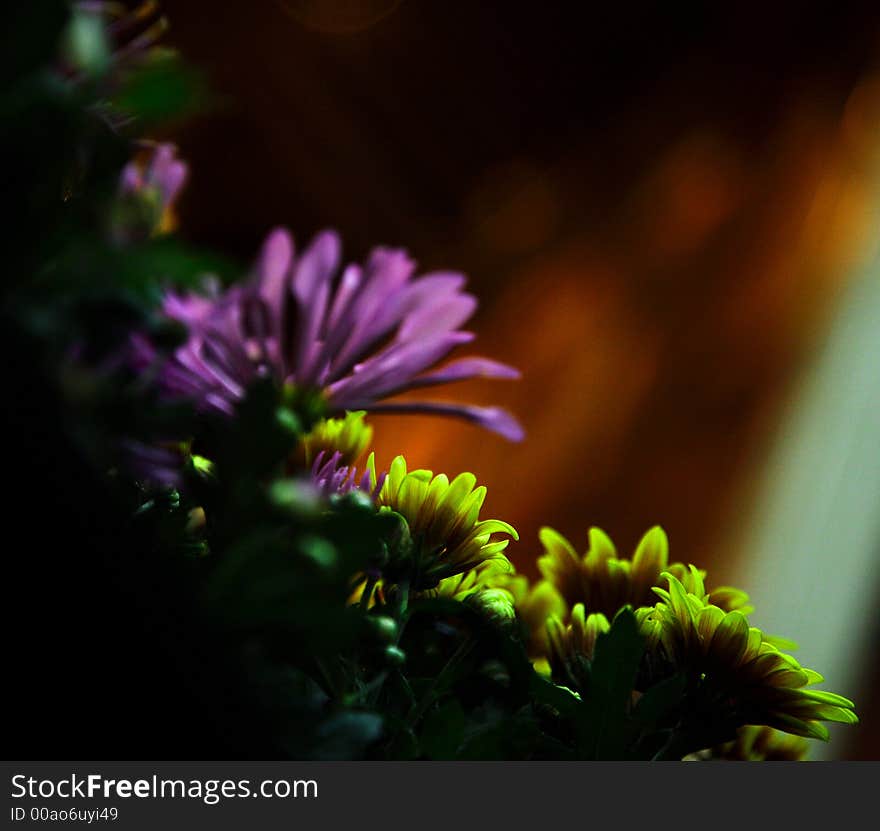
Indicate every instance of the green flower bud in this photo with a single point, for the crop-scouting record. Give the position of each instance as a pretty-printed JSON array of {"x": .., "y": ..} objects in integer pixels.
[
  {"x": 196, "y": 521},
  {"x": 288, "y": 420},
  {"x": 320, "y": 551},
  {"x": 202, "y": 466},
  {"x": 385, "y": 628},
  {"x": 85, "y": 43},
  {"x": 358, "y": 500},
  {"x": 497, "y": 672},
  {"x": 195, "y": 549},
  {"x": 395, "y": 656},
  {"x": 293, "y": 496},
  {"x": 496, "y": 605}
]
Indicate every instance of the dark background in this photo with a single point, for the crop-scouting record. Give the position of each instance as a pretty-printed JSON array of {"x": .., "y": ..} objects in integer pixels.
[{"x": 652, "y": 205}]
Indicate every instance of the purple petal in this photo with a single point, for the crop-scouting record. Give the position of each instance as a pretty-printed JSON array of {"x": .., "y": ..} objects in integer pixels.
[
  {"x": 174, "y": 181},
  {"x": 392, "y": 369},
  {"x": 385, "y": 297},
  {"x": 372, "y": 312},
  {"x": 495, "y": 419},
  {"x": 131, "y": 180},
  {"x": 319, "y": 461},
  {"x": 141, "y": 353},
  {"x": 191, "y": 309},
  {"x": 164, "y": 173},
  {"x": 331, "y": 477},
  {"x": 154, "y": 464},
  {"x": 350, "y": 282},
  {"x": 341, "y": 339},
  {"x": 317, "y": 265},
  {"x": 168, "y": 175},
  {"x": 465, "y": 368},
  {"x": 161, "y": 159},
  {"x": 380, "y": 481},
  {"x": 271, "y": 274},
  {"x": 219, "y": 403},
  {"x": 437, "y": 317},
  {"x": 311, "y": 287},
  {"x": 191, "y": 357},
  {"x": 431, "y": 288}
]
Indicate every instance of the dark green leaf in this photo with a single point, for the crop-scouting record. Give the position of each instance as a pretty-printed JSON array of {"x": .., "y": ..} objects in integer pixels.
[
  {"x": 347, "y": 735},
  {"x": 161, "y": 88},
  {"x": 551, "y": 695},
  {"x": 443, "y": 730},
  {"x": 659, "y": 701},
  {"x": 602, "y": 722}
]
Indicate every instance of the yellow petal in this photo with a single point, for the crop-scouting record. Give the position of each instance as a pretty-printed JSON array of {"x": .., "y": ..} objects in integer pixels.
[
  {"x": 651, "y": 557},
  {"x": 731, "y": 638}
]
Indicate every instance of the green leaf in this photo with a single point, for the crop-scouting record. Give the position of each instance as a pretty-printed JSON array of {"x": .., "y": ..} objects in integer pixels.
[
  {"x": 347, "y": 735},
  {"x": 161, "y": 88},
  {"x": 659, "y": 701},
  {"x": 404, "y": 745},
  {"x": 560, "y": 699},
  {"x": 443, "y": 731},
  {"x": 255, "y": 443},
  {"x": 603, "y": 720},
  {"x": 504, "y": 736}
]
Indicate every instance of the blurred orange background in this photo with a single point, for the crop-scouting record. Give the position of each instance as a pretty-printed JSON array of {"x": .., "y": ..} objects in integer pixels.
[{"x": 658, "y": 212}]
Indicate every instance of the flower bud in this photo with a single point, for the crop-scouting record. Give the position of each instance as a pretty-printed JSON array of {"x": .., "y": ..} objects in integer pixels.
[
  {"x": 395, "y": 656},
  {"x": 196, "y": 520},
  {"x": 496, "y": 605},
  {"x": 295, "y": 496},
  {"x": 288, "y": 420},
  {"x": 319, "y": 551},
  {"x": 385, "y": 628},
  {"x": 85, "y": 43}
]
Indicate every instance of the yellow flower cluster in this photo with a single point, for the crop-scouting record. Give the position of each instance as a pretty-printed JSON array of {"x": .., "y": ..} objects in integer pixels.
[
  {"x": 701, "y": 634},
  {"x": 704, "y": 634},
  {"x": 758, "y": 682},
  {"x": 605, "y": 582},
  {"x": 443, "y": 518}
]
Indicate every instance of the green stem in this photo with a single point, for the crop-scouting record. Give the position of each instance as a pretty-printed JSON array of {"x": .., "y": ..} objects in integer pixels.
[
  {"x": 440, "y": 680},
  {"x": 328, "y": 679},
  {"x": 402, "y": 607},
  {"x": 400, "y": 615}
]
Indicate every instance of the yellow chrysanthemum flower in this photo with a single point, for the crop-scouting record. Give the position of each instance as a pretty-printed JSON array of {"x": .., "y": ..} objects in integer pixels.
[
  {"x": 475, "y": 587},
  {"x": 349, "y": 436},
  {"x": 577, "y": 639},
  {"x": 463, "y": 585},
  {"x": 745, "y": 675},
  {"x": 756, "y": 744},
  {"x": 480, "y": 589},
  {"x": 606, "y": 583},
  {"x": 535, "y": 604},
  {"x": 443, "y": 518}
]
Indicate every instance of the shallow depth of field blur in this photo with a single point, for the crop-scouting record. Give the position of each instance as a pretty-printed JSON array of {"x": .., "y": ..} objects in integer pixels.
[{"x": 672, "y": 222}]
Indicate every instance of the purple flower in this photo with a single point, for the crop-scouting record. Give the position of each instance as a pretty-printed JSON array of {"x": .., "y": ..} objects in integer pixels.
[
  {"x": 331, "y": 477},
  {"x": 162, "y": 177},
  {"x": 157, "y": 465},
  {"x": 359, "y": 334}
]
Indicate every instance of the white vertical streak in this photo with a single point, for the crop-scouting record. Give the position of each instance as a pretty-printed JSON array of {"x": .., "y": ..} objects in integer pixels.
[{"x": 812, "y": 561}]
